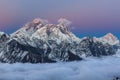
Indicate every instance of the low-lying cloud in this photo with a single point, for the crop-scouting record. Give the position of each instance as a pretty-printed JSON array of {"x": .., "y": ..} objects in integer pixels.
[{"x": 89, "y": 69}]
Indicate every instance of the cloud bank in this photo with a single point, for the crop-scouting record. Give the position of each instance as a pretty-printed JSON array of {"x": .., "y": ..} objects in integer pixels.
[{"x": 89, "y": 69}]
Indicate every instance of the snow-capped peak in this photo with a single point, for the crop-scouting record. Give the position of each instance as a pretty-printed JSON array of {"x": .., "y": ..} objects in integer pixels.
[
  {"x": 28, "y": 29},
  {"x": 108, "y": 38},
  {"x": 23, "y": 35},
  {"x": 40, "y": 29},
  {"x": 57, "y": 33}
]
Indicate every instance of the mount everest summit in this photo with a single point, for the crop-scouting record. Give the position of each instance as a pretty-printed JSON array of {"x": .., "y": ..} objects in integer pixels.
[{"x": 40, "y": 42}]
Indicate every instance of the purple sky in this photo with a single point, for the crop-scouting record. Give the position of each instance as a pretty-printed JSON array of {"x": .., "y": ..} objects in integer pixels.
[{"x": 89, "y": 17}]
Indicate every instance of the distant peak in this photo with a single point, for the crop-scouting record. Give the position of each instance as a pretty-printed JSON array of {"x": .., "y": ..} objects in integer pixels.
[{"x": 110, "y": 35}]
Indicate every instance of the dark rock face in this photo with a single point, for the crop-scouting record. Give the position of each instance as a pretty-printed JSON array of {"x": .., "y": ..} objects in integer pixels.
[
  {"x": 16, "y": 52},
  {"x": 73, "y": 57},
  {"x": 96, "y": 48},
  {"x": 3, "y": 38}
]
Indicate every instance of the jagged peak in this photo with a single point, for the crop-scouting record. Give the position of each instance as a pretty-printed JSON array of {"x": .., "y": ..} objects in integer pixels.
[
  {"x": 108, "y": 38},
  {"x": 37, "y": 23},
  {"x": 30, "y": 27},
  {"x": 110, "y": 35},
  {"x": 36, "y": 29}
]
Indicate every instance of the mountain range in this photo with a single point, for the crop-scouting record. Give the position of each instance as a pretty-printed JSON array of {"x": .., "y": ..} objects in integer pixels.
[{"x": 41, "y": 42}]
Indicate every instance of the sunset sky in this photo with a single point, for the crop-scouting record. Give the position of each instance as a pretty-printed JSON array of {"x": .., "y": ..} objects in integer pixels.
[{"x": 88, "y": 17}]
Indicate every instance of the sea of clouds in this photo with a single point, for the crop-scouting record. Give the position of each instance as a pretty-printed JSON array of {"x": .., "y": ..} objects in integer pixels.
[{"x": 105, "y": 68}]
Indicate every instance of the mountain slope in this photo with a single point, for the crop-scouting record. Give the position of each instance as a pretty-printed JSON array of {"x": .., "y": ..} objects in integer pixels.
[{"x": 40, "y": 42}]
